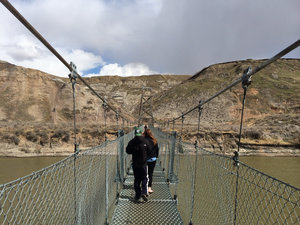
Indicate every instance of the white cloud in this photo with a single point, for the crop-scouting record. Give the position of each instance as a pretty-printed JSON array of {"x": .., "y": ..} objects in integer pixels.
[
  {"x": 26, "y": 51},
  {"x": 21, "y": 48},
  {"x": 130, "y": 69},
  {"x": 172, "y": 36},
  {"x": 84, "y": 60}
]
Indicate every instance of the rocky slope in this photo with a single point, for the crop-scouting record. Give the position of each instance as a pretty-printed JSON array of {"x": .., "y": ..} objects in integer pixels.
[
  {"x": 272, "y": 109},
  {"x": 36, "y": 114},
  {"x": 36, "y": 109}
]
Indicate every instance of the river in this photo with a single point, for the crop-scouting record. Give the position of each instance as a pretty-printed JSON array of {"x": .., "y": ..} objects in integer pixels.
[{"x": 285, "y": 169}]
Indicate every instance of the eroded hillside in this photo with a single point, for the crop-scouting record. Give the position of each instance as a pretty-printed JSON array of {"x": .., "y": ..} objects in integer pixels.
[
  {"x": 272, "y": 109},
  {"x": 36, "y": 111}
]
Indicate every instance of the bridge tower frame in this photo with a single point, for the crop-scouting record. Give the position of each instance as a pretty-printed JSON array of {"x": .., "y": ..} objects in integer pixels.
[{"x": 146, "y": 107}]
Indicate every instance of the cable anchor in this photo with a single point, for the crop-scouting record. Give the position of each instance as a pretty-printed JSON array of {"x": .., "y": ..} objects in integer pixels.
[
  {"x": 76, "y": 149},
  {"x": 246, "y": 78},
  {"x": 196, "y": 144},
  {"x": 73, "y": 75},
  {"x": 182, "y": 116},
  {"x": 236, "y": 158},
  {"x": 105, "y": 105},
  {"x": 200, "y": 106}
]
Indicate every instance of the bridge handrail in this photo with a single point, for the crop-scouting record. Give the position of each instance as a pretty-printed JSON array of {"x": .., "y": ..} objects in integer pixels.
[
  {"x": 76, "y": 183},
  {"x": 213, "y": 197}
]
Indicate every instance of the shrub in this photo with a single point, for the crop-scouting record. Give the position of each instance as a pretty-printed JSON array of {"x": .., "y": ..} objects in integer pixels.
[
  {"x": 44, "y": 138},
  {"x": 30, "y": 136},
  {"x": 252, "y": 134},
  {"x": 19, "y": 133},
  {"x": 66, "y": 138},
  {"x": 37, "y": 151},
  {"x": 25, "y": 150},
  {"x": 59, "y": 134},
  {"x": 85, "y": 131},
  {"x": 6, "y": 137},
  {"x": 95, "y": 133},
  {"x": 15, "y": 139}
]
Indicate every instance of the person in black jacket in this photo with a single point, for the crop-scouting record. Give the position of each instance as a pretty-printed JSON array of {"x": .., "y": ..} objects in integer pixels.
[
  {"x": 139, "y": 148},
  {"x": 152, "y": 156}
]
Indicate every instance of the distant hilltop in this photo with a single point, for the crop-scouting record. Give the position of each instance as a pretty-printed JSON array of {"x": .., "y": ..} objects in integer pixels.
[{"x": 40, "y": 103}]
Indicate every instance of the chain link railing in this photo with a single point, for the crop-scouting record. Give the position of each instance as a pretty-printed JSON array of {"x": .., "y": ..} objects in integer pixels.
[
  {"x": 72, "y": 191},
  {"x": 210, "y": 188},
  {"x": 214, "y": 189}
]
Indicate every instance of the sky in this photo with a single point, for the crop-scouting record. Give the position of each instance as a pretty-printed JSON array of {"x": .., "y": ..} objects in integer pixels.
[{"x": 142, "y": 37}]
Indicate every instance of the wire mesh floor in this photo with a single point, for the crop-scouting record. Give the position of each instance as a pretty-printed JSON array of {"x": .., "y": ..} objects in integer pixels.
[{"x": 160, "y": 208}]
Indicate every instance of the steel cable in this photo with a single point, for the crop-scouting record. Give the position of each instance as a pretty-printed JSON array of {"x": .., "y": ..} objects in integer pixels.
[
  {"x": 19, "y": 16},
  {"x": 194, "y": 176},
  {"x": 254, "y": 71}
]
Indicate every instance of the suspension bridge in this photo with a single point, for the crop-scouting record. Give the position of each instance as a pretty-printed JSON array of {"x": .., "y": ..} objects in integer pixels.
[{"x": 192, "y": 185}]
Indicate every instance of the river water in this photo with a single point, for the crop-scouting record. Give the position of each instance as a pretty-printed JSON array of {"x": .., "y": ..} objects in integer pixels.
[{"x": 285, "y": 169}]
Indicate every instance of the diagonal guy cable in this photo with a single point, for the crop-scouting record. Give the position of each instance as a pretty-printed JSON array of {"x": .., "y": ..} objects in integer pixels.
[
  {"x": 18, "y": 15},
  {"x": 260, "y": 67}
]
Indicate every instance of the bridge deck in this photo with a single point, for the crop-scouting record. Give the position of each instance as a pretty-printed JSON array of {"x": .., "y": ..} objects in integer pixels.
[{"x": 160, "y": 208}]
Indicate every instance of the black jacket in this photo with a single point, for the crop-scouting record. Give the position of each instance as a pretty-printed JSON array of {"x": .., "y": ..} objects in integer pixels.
[
  {"x": 154, "y": 149},
  {"x": 139, "y": 148}
]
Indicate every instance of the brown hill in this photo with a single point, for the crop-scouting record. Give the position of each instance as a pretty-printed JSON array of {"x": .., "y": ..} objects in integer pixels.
[
  {"x": 272, "y": 109},
  {"x": 36, "y": 108}
]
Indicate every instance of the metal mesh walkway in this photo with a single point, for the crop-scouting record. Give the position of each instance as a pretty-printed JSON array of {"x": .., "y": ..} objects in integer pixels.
[{"x": 160, "y": 208}]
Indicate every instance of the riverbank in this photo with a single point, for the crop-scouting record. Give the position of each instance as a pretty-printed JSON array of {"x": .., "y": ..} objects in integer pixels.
[
  {"x": 32, "y": 152},
  {"x": 42, "y": 141},
  {"x": 8, "y": 150}
]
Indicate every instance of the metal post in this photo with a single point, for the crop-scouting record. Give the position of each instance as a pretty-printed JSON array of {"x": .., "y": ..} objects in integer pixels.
[
  {"x": 106, "y": 186},
  {"x": 171, "y": 176},
  {"x": 246, "y": 81},
  {"x": 73, "y": 78},
  {"x": 196, "y": 162},
  {"x": 105, "y": 107},
  {"x": 75, "y": 183},
  {"x": 121, "y": 170}
]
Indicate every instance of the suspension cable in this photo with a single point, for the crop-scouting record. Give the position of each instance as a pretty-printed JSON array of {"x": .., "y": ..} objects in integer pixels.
[
  {"x": 46, "y": 43},
  {"x": 200, "y": 108},
  {"x": 257, "y": 69},
  {"x": 117, "y": 118},
  {"x": 246, "y": 81},
  {"x": 73, "y": 78},
  {"x": 179, "y": 150},
  {"x": 118, "y": 176},
  {"x": 105, "y": 107},
  {"x": 19, "y": 16},
  {"x": 182, "y": 120}
]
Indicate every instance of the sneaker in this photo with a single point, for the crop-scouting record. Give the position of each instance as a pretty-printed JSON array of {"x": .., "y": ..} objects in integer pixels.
[
  {"x": 144, "y": 197},
  {"x": 137, "y": 200}
]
